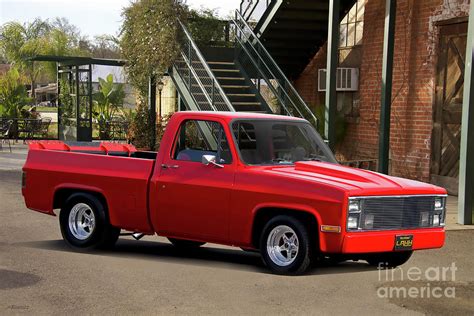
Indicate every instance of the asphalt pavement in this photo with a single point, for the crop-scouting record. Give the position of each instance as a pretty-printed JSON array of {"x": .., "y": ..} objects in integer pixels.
[{"x": 39, "y": 275}]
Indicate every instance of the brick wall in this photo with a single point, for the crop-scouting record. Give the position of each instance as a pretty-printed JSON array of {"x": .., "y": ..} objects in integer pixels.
[{"x": 413, "y": 79}]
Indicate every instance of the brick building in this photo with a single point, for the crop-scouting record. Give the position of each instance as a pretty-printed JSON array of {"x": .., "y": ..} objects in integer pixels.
[{"x": 430, "y": 46}]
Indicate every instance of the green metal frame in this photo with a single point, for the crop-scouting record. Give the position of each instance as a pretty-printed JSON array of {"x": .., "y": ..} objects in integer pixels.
[
  {"x": 71, "y": 66},
  {"x": 331, "y": 71},
  {"x": 466, "y": 168},
  {"x": 387, "y": 71}
]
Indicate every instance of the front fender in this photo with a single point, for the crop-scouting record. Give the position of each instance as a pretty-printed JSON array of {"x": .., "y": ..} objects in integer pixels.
[{"x": 328, "y": 242}]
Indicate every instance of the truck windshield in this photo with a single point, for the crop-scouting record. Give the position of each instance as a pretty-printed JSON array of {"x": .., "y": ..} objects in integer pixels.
[{"x": 270, "y": 142}]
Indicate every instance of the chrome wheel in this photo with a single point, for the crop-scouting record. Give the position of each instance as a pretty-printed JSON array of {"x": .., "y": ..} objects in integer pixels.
[
  {"x": 81, "y": 221},
  {"x": 282, "y": 245}
]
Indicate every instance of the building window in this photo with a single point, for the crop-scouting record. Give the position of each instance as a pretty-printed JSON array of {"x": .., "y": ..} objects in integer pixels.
[{"x": 352, "y": 26}]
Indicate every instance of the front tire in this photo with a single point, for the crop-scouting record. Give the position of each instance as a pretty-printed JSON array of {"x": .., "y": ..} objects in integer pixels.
[
  {"x": 285, "y": 246},
  {"x": 389, "y": 259},
  {"x": 84, "y": 223}
]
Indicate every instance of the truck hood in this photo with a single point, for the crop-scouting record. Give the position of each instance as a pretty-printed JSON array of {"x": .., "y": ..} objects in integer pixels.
[{"x": 354, "y": 181}]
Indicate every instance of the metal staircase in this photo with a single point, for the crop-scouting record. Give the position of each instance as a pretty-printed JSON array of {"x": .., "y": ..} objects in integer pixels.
[
  {"x": 291, "y": 30},
  {"x": 244, "y": 78}
]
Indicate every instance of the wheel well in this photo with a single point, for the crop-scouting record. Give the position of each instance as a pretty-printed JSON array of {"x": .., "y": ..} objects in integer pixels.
[
  {"x": 265, "y": 214},
  {"x": 61, "y": 196}
]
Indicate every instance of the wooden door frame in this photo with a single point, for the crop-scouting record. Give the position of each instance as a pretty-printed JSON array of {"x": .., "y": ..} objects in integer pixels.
[{"x": 445, "y": 28}]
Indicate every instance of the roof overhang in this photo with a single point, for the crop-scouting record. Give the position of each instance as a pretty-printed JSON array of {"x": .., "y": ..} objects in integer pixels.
[{"x": 78, "y": 60}]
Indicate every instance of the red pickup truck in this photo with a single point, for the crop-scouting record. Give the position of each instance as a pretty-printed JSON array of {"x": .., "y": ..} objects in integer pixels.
[{"x": 254, "y": 181}]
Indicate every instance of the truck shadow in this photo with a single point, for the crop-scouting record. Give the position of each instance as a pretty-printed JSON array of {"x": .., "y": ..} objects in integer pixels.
[{"x": 227, "y": 258}]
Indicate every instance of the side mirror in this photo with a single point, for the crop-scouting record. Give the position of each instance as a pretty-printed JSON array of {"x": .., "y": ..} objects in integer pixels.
[{"x": 210, "y": 160}]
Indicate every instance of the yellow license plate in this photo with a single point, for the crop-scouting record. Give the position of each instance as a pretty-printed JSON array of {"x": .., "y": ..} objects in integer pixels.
[{"x": 403, "y": 242}]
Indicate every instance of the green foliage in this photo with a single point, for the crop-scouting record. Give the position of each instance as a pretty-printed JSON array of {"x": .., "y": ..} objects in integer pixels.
[
  {"x": 13, "y": 94},
  {"x": 205, "y": 26},
  {"x": 105, "y": 46},
  {"x": 150, "y": 39},
  {"x": 107, "y": 103},
  {"x": 66, "y": 102},
  {"x": 19, "y": 42},
  {"x": 140, "y": 133},
  {"x": 128, "y": 115},
  {"x": 340, "y": 123}
]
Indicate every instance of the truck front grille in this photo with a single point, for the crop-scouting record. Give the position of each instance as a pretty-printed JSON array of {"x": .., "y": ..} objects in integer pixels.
[{"x": 404, "y": 212}]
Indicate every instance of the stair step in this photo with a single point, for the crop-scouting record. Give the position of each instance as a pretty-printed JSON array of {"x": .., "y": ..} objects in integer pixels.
[
  {"x": 246, "y": 103},
  {"x": 220, "y": 63},
  {"x": 234, "y": 87},
  {"x": 241, "y": 94},
  {"x": 234, "y": 103},
  {"x": 225, "y": 70},
  {"x": 248, "y": 95},
  {"x": 224, "y": 86},
  {"x": 230, "y": 78}
]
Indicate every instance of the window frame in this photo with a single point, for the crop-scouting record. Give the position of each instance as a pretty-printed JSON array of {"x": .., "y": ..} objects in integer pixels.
[
  {"x": 222, "y": 132},
  {"x": 345, "y": 24}
]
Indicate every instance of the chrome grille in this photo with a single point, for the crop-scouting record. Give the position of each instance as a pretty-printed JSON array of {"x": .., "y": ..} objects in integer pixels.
[{"x": 404, "y": 212}]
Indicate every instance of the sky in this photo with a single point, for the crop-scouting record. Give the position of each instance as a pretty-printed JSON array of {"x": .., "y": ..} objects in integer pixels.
[{"x": 92, "y": 17}]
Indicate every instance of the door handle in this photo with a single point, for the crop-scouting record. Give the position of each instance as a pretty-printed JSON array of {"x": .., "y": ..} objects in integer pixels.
[{"x": 165, "y": 166}]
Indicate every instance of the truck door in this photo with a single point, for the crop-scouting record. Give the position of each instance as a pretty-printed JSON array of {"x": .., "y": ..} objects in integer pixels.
[{"x": 193, "y": 197}]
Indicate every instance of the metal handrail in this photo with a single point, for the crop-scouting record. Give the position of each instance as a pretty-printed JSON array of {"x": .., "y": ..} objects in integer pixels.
[
  {"x": 265, "y": 77},
  {"x": 201, "y": 85},
  {"x": 255, "y": 41},
  {"x": 205, "y": 66},
  {"x": 249, "y": 8}
]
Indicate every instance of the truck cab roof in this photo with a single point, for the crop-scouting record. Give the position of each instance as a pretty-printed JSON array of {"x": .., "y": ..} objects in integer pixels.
[{"x": 229, "y": 116}]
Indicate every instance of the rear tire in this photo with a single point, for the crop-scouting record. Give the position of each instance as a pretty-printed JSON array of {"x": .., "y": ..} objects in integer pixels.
[
  {"x": 185, "y": 244},
  {"x": 285, "y": 246},
  {"x": 85, "y": 223},
  {"x": 389, "y": 259}
]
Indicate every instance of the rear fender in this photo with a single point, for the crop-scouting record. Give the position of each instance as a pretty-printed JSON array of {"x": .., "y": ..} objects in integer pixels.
[{"x": 71, "y": 188}]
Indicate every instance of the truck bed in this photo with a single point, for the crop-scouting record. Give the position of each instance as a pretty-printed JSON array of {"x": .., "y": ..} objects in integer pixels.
[{"x": 116, "y": 172}]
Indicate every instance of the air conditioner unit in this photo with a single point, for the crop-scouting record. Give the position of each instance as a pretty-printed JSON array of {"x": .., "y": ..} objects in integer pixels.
[{"x": 347, "y": 79}]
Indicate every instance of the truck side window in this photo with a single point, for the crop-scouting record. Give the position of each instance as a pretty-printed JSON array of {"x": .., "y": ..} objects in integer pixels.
[{"x": 197, "y": 138}]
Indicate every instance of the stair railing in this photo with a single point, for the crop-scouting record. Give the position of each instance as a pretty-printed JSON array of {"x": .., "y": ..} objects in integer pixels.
[
  {"x": 198, "y": 77},
  {"x": 253, "y": 9},
  {"x": 250, "y": 53}
]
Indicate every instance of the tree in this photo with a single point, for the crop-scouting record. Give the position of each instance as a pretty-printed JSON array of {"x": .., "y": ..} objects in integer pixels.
[
  {"x": 205, "y": 26},
  {"x": 18, "y": 42},
  {"x": 13, "y": 94},
  {"x": 150, "y": 39},
  {"x": 105, "y": 46}
]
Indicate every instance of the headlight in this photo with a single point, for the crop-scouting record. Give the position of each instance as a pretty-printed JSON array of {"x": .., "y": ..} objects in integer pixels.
[
  {"x": 353, "y": 222},
  {"x": 439, "y": 204},
  {"x": 439, "y": 211},
  {"x": 354, "y": 206},
  {"x": 354, "y": 214}
]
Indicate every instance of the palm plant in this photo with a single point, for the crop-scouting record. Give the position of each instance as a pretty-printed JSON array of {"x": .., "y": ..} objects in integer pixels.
[{"x": 108, "y": 102}]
